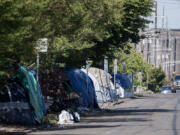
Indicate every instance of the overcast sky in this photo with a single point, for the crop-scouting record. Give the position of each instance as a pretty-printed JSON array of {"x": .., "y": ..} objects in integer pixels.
[{"x": 171, "y": 12}]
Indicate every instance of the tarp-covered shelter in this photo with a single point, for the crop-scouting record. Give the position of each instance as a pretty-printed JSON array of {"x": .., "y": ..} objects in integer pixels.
[
  {"x": 24, "y": 90},
  {"x": 124, "y": 85},
  {"x": 104, "y": 80},
  {"x": 40, "y": 90},
  {"x": 29, "y": 83},
  {"x": 83, "y": 84},
  {"x": 100, "y": 95}
]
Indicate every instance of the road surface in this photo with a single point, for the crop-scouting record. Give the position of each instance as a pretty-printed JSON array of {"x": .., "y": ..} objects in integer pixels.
[{"x": 154, "y": 114}]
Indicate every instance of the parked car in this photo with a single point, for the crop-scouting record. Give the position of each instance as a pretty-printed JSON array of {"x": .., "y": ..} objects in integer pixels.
[
  {"x": 176, "y": 83},
  {"x": 166, "y": 89}
]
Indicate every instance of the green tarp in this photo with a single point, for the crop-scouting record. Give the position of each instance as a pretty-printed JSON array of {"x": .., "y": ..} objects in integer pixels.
[{"x": 29, "y": 83}]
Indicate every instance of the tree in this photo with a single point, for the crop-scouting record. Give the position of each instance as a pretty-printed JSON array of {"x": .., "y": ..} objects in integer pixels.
[
  {"x": 17, "y": 34},
  {"x": 134, "y": 61},
  {"x": 157, "y": 79},
  {"x": 76, "y": 30},
  {"x": 82, "y": 29}
]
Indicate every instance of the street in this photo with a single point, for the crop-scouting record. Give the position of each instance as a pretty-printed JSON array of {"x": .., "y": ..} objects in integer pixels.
[{"x": 151, "y": 114}]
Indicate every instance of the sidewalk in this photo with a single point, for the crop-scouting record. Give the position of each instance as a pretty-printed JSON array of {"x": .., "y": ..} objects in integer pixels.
[{"x": 85, "y": 119}]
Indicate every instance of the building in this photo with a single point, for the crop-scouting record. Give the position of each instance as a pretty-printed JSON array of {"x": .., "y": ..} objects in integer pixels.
[{"x": 161, "y": 47}]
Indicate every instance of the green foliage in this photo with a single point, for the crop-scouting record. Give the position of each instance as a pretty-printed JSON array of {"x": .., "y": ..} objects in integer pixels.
[
  {"x": 17, "y": 34},
  {"x": 157, "y": 79},
  {"x": 81, "y": 29},
  {"x": 134, "y": 62},
  {"x": 76, "y": 30}
]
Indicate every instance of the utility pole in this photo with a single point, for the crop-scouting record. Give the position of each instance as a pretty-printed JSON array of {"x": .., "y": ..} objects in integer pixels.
[
  {"x": 155, "y": 53},
  {"x": 163, "y": 18},
  {"x": 167, "y": 47},
  {"x": 175, "y": 54},
  {"x": 155, "y": 14}
]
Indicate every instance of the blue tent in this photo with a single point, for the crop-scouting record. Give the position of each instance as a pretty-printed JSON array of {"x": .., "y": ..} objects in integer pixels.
[
  {"x": 80, "y": 81},
  {"x": 123, "y": 80}
]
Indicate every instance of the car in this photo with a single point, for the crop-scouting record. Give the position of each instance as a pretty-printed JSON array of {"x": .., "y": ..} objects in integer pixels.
[
  {"x": 166, "y": 89},
  {"x": 176, "y": 83}
]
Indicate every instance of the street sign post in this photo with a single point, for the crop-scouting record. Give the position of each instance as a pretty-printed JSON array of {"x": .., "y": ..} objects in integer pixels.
[
  {"x": 87, "y": 68},
  {"x": 124, "y": 67},
  {"x": 106, "y": 64},
  {"x": 115, "y": 72},
  {"x": 41, "y": 47},
  {"x": 106, "y": 69}
]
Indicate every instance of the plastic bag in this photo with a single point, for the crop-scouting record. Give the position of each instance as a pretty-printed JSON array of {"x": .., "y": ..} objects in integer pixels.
[
  {"x": 77, "y": 117},
  {"x": 65, "y": 118}
]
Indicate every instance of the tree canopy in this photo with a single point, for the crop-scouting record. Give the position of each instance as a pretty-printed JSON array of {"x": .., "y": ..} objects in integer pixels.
[
  {"x": 133, "y": 62},
  {"x": 76, "y": 29},
  {"x": 157, "y": 79}
]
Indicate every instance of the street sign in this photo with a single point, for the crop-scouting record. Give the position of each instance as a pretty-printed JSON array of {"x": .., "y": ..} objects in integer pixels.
[
  {"x": 87, "y": 64},
  {"x": 124, "y": 67},
  {"x": 42, "y": 45},
  {"x": 115, "y": 66},
  {"x": 106, "y": 64}
]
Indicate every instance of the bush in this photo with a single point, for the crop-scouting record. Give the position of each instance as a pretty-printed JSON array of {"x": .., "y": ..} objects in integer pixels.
[{"x": 157, "y": 79}]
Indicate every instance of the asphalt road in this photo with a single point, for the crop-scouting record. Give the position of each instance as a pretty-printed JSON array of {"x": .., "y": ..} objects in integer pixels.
[{"x": 155, "y": 114}]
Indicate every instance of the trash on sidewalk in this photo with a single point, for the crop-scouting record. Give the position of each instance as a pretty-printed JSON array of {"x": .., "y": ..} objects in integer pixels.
[
  {"x": 68, "y": 117},
  {"x": 65, "y": 118},
  {"x": 77, "y": 117}
]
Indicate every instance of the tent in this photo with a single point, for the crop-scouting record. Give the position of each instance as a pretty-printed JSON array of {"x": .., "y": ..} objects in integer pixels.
[
  {"x": 105, "y": 82},
  {"x": 83, "y": 84},
  {"x": 39, "y": 91},
  {"x": 16, "y": 113},
  {"x": 100, "y": 95},
  {"x": 29, "y": 83},
  {"x": 124, "y": 85},
  {"x": 22, "y": 90},
  {"x": 14, "y": 105}
]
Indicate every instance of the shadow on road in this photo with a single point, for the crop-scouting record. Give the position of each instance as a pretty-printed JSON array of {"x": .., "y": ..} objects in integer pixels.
[
  {"x": 129, "y": 111},
  {"x": 11, "y": 133},
  {"x": 113, "y": 120},
  {"x": 103, "y": 119}
]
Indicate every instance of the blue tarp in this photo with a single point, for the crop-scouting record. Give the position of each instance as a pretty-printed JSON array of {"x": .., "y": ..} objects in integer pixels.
[
  {"x": 79, "y": 81},
  {"x": 123, "y": 80}
]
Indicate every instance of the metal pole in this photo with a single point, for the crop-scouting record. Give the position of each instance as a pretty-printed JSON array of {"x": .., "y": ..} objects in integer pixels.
[
  {"x": 114, "y": 80},
  {"x": 133, "y": 81},
  {"x": 37, "y": 74},
  {"x": 155, "y": 14},
  {"x": 163, "y": 19},
  {"x": 175, "y": 54},
  {"x": 115, "y": 72},
  {"x": 147, "y": 80},
  {"x": 87, "y": 67},
  {"x": 155, "y": 31}
]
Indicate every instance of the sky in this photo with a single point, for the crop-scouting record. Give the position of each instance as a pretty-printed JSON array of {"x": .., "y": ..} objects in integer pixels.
[{"x": 171, "y": 14}]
